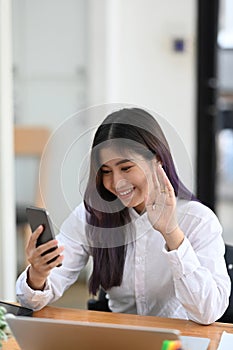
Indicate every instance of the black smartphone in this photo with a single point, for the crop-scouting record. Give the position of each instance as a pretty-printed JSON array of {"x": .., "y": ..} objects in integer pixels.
[
  {"x": 40, "y": 216},
  {"x": 16, "y": 310}
]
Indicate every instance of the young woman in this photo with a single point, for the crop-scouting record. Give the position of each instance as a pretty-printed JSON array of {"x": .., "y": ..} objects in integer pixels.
[{"x": 156, "y": 249}]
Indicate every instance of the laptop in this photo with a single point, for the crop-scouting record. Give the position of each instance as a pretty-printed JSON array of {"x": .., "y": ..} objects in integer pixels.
[{"x": 50, "y": 334}]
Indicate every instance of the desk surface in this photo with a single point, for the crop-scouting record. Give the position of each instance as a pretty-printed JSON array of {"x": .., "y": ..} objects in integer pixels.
[{"x": 213, "y": 332}]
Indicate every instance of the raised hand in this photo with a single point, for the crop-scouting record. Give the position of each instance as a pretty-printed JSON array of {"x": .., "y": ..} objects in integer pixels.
[
  {"x": 161, "y": 201},
  {"x": 40, "y": 262}
]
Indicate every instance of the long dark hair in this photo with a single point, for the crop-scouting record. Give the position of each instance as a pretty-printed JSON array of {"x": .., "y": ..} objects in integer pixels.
[{"x": 107, "y": 219}]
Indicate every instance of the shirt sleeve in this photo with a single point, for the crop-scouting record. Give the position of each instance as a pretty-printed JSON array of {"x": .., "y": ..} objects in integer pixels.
[
  {"x": 61, "y": 278},
  {"x": 30, "y": 298},
  {"x": 199, "y": 271}
]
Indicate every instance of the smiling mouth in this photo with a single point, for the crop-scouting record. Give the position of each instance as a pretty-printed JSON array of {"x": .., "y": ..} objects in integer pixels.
[{"x": 126, "y": 192}]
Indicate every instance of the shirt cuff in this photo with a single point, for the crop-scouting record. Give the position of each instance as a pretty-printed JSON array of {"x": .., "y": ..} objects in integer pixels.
[
  {"x": 183, "y": 261},
  {"x": 23, "y": 290}
]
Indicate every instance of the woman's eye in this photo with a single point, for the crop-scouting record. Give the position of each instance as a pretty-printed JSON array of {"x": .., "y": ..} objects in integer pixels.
[
  {"x": 105, "y": 171},
  {"x": 125, "y": 168}
]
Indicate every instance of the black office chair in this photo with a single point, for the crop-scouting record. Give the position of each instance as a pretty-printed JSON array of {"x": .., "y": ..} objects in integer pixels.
[
  {"x": 99, "y": 304},
  {"x": 228, "y": 315}
]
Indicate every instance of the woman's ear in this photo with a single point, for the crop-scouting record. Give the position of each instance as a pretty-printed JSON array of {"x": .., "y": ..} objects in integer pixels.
[{"x": 157, "y": 161}]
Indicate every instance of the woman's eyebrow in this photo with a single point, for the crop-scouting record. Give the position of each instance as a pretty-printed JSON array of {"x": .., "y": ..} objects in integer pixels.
[{"x": 122, "y": 161}]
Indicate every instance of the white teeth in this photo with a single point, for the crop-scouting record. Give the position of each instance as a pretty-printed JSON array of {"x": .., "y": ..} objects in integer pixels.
[{"x": 125, "y": 192}]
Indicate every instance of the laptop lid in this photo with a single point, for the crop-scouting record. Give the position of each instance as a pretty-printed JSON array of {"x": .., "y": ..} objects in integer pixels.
[{"x": 50, "y": 334}]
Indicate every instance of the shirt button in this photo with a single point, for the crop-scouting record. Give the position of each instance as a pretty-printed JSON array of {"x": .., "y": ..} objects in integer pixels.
[{"x": 140, "y": 260}]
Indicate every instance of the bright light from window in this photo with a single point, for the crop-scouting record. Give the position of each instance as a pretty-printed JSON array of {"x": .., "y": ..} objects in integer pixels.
[{"x": 225, "y": 35}]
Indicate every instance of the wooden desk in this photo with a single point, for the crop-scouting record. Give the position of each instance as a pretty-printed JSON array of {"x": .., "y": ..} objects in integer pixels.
[{"x": 213, "y": 332}]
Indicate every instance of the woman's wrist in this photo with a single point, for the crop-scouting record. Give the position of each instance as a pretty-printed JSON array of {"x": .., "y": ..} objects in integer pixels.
[
  {"x": 174, "y": 238},
  {"x": 35, "y": 282}
]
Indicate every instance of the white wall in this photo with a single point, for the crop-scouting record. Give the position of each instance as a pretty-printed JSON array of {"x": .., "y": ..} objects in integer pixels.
[
  {"x": 50, "y": 76},
  {"x": 139, "y": 65},
  {"x": 80, "y": 53},
  {"x": 7, "y": 204},
  {"x": 49, "y": 57},
  {"x": 76, "y": 54}
]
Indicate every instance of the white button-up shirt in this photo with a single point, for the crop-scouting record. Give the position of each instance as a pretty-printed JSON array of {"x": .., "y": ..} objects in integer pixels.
[{"x": 191, "y": 282}]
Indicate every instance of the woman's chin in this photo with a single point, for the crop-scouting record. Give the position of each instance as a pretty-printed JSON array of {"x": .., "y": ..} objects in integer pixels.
[
  {"x": 138, "y": 206},
  {"x": 127, "y": 202}
]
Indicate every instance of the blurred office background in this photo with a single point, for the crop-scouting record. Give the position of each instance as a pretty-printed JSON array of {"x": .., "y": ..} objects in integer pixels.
[{"x": 67, "y": 56}]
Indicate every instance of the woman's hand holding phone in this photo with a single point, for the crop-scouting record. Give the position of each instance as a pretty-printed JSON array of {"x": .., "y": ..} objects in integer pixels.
[{"x": 41, "y": 261}]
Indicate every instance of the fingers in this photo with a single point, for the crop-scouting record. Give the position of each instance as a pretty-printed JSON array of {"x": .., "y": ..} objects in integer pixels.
[
  {"x": 49, "y": 246},
  {"x": 35, "y": 235},
  {"x": 162, "y": 178},
  {"x": 165, "y": 186},
  {"x": 42, "y": 265},
  {"x": 154, "y": 186},
  {"x": 161, "y": 201},
  {"x": 46, "y": 256},
  {"x": 50, "y": 255},
  {"x": 48, "y": 261},
  {"x": 160, "y": 189},
  {"x": 155, "y": 177},
  {"x": 160, "y": 181},
  {"x": 46, "y": 252}
]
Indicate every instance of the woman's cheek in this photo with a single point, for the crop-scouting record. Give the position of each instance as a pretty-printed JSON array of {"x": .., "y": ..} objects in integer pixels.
[{"x": 107, "y": 183}]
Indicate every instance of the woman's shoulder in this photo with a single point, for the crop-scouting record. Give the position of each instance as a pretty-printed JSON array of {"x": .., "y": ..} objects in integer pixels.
[
  {"x": 80, "y": 212},
  {"x": 72, "y": 232},
  {"x": 194, "y": 207},
  {"x": 75, "y": 221},
  {"x": 198, "y": 222},
  {"x": 196, "y": 210}
]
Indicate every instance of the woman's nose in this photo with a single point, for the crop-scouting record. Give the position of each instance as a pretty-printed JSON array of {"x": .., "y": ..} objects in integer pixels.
[
  {"x": 119, "y": 181},
  {"x": 117, "y": 176}
]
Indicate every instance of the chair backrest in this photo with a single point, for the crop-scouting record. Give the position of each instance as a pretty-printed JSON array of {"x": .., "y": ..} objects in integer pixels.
[
  {"x": 99, "y": 304},
  {"x": 228, "y": 315},
  {"x": 31, "y": 141}
]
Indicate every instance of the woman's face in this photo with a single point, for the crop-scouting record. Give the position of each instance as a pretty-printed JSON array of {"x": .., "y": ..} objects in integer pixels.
[{"x": 126, "y": 176}]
